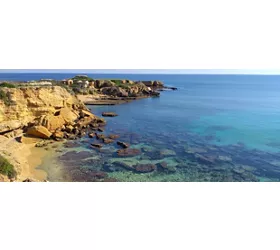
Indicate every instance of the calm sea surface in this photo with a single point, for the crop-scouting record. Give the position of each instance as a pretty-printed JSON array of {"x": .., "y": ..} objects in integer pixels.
[{"x": 213, "y": 128}]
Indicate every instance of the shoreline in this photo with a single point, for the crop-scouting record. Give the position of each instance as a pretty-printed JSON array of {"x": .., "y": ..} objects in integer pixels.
[
  {"x": 59, "y": 113},
  {"x": 25, "y": 158},
  {"x": 105, "y": 100}
]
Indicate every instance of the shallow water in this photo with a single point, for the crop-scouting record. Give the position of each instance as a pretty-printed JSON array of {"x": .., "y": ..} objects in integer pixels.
[{"x": 214, "y": 128}]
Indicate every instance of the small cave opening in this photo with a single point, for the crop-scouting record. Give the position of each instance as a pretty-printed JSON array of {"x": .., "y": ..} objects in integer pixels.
[{"x": 57, "y": 113}]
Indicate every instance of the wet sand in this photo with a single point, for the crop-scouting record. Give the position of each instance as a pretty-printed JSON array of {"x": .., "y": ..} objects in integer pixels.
[{"x": 34, "y": 159}]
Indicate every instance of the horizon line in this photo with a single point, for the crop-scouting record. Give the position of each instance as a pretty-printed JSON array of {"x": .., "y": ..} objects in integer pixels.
[{"x": 150, "y": 71}]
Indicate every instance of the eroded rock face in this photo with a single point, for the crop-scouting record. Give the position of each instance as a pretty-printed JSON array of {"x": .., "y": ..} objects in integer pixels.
[
  {"x": 46, "y": 112},
  {"x": 114, "y": 91},
  {"x": 30, "y": 103}
]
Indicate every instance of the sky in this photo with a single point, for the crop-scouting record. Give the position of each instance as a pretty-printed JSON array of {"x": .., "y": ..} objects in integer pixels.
[{"x": 147, "y": 71}]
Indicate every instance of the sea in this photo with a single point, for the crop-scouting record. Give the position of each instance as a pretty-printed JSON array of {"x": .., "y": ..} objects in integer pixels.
[{"x": 217, "y": 128}]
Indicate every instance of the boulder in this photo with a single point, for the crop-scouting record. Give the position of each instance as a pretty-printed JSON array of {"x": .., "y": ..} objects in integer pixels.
[
  {"x": 84, "y": 122},
  {"x": 127, "y": 152},
  {"x": 58, "y": 135},
  {"x": 110, "y": 114},
  {"x": 69, "y": 128},
  {"x": 99, "y": 136},
  {"x": 100, "y": 129},
  {"x": 51, "y": 122},
  {"x": 39, "y": 131},
  {"x": 85, "y": 113},
  {"x": 123, "y": 144},
  {"x": 91, "y": 135}
]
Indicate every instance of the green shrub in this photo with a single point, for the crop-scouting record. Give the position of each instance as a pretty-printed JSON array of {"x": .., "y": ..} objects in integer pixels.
[
  {"x": 82, "y": 78},
  {"x": 91, "y": 92},
  {"x": 7, "y": 85},
  {"x": 5, "y": 98},
  {"x": 117, "y": 82},
  {"x": 120, "y": 84},
  {"x": 6, "y": 168}
]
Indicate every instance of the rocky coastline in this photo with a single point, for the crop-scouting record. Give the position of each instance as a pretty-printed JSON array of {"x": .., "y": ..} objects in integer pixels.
[{"x": 40, "y": 112}]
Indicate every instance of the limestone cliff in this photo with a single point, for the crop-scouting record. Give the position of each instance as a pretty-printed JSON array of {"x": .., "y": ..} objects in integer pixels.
[{"x": 24, "y": 105}]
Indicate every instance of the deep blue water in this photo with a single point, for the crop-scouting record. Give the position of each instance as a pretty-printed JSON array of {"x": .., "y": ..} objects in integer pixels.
[{"x": 216, "y": 116}]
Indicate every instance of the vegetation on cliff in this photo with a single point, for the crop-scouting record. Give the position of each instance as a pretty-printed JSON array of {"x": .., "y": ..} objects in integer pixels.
[
  {"x": 6, "y": 168},
  {"x": 81, "y": 78},
  {"x": 4, "y": 96},
  {"x": 7, "y": 85}
]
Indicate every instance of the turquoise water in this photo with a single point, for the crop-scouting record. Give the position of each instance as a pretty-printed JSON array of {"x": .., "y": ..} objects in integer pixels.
[{"x": 216, "y": 128}]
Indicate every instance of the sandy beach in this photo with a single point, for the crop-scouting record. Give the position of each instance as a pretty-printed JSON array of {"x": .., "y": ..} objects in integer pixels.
[{"x": 25, "y": 157}]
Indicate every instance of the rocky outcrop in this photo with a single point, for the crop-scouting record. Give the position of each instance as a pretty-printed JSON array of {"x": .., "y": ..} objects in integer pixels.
[
  {"x": 154, "y": 84},
  {"x": 114, "y": 91},
  {"x": 45, "y": 112},
  {"x": 103, "y": 83}
]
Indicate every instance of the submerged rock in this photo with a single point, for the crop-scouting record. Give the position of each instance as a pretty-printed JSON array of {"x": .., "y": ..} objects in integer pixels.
[
  {"x": 122, "y": 165},
  {"x": 224, "y": 158},
  {"x": 113, "y": 137},
  {"x": 75, "y": 156},
  {"x": 162, "y": 165},
  {"x": 204, "y": 159},
  {"x": 167, "y": 152},
  {"x": 107, "y": 140},
  {"x": 128, "y": 152},
  {"x": 96, "y": 145},
  {"x": 145, "y": 168}
]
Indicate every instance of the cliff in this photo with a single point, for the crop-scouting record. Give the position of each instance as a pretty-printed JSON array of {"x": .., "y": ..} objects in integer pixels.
[
  {"x": 29, "y": 107},
  {"x": 40, "y": 112}
]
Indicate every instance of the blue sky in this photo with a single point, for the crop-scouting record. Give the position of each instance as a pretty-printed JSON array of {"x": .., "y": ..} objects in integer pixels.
[{"x": 146, "y": 71}]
